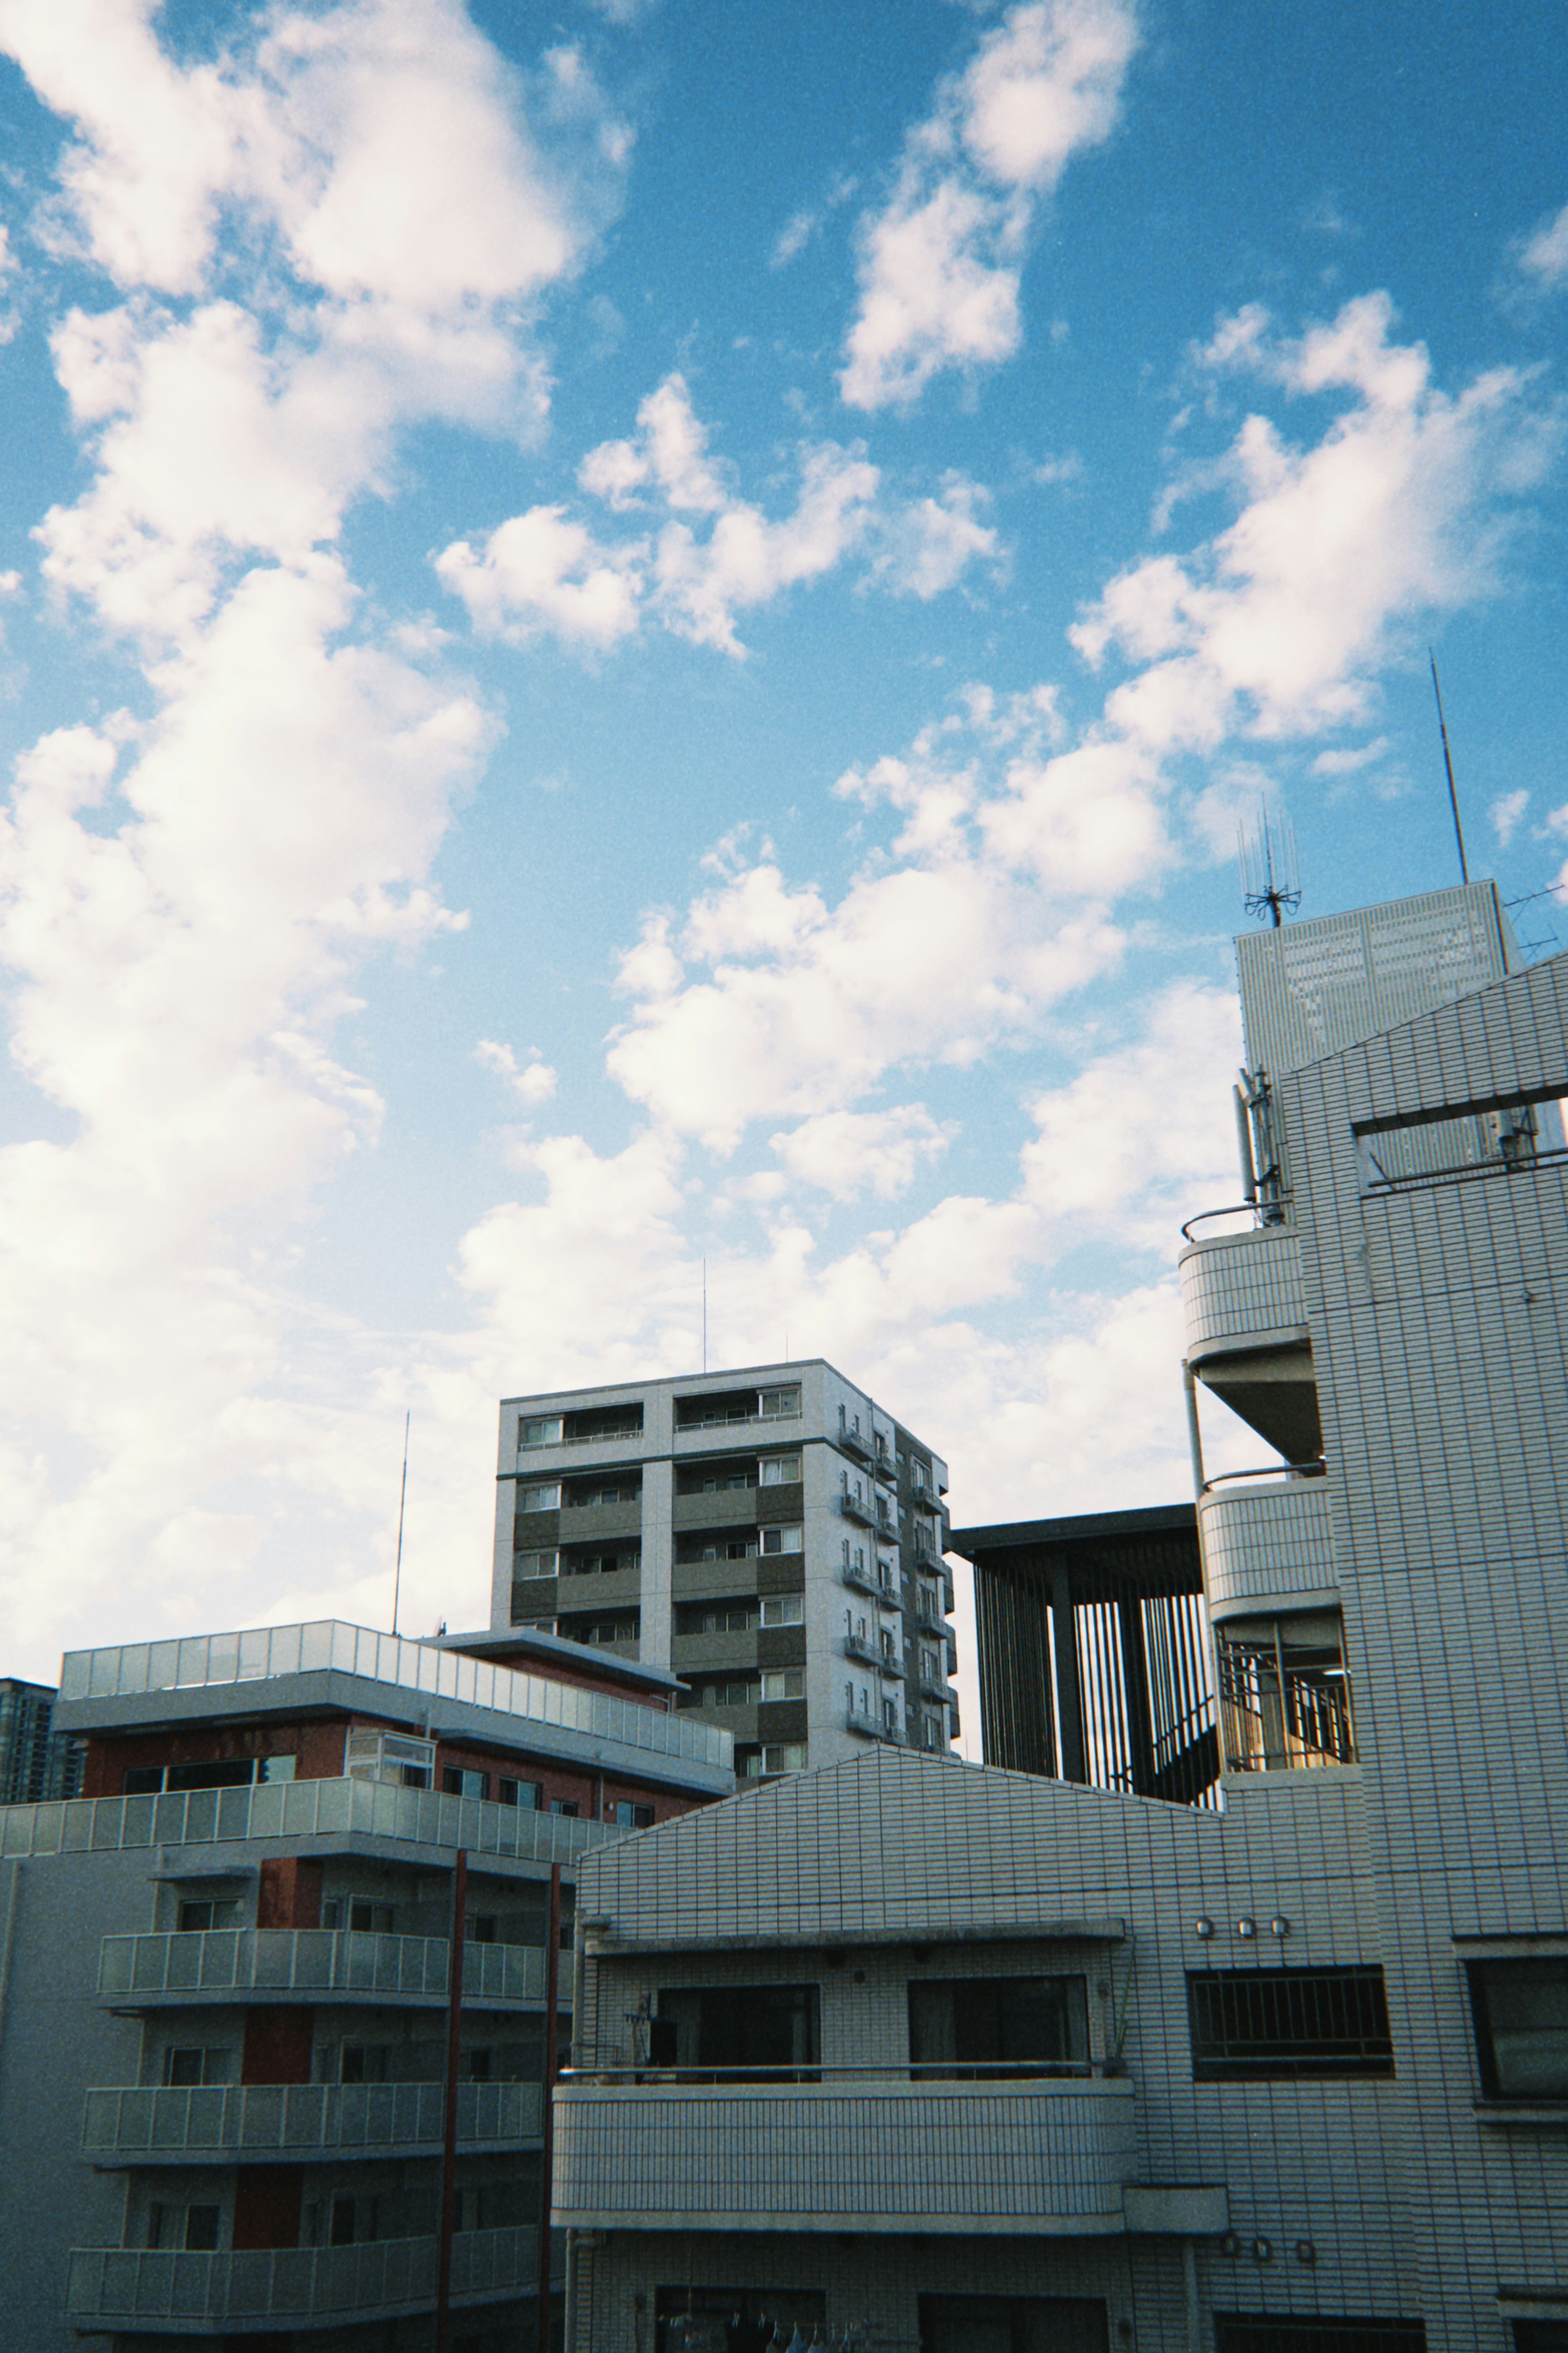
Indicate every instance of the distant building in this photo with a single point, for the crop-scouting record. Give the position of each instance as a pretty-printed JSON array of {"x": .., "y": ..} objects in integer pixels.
[
  {"x": 225, "y": 1980},
  {"x": 976, "y": 2061},
  {"x": 774, "y": 1536},
  {"x": 25, "y": 1747}
]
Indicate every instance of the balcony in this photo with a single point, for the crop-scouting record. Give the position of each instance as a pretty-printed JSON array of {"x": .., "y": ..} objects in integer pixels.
[
  {"x": 861, "y": 1579},
  {"x": 870, "y": 1727},
  {"x": 854, "y": 1507},
  {"x": 216, "y": 1964},
  {"x": 222, "y": 2123},
  {"x": 863, "y": 1647},
  {"x": 850, "y": 1442},
  {"x": 1266, "y": 1536},
  {"x": 187, "y": 2294},
  {"x": 1242, "y": 1291},
  {"x": 860, "y": 2151}
]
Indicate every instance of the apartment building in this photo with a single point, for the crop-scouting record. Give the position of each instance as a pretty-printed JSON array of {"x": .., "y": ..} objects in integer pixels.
[
  {"x": 916, "y": 2054},
  {"x": 247, "y": 2097},
  {"x": 771, "y": 1536}
]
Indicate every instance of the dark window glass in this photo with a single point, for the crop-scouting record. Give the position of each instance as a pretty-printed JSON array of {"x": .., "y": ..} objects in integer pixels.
[
  {"x": 143, "y": 1780},
  {"x": 195, "y": 1917},
  {"x": 630, "y": 1817},
  {"x": 527, "y": 1794},
  {"x": 1540, "y": 2337},
  {"x": 1247, "y": 2024},
  {"x": 183, "y": 2066},
  {"x": 342, "y": 2233},
  {"x": 202, "y": 2228},
  {"x": 1521, "y": 2027},
  {"x": 743, "y": 2026},
  {"x": 370, "y": 1919},
  {"x": 238, "y": 1773},
  {"x": 994, "y": 2324},
  {"x": 988, "y": 2022},
  {"x": 483, "y": 1927},
  {"x": 1240, "y": 2332},
  {"x": 564, "y": 1806},
  {"x": 460, "y": 1781},
  {"x": 364, "y": 2062}
]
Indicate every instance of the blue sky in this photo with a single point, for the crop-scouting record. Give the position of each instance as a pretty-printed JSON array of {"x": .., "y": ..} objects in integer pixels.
[{"x": 638, "y": 635}]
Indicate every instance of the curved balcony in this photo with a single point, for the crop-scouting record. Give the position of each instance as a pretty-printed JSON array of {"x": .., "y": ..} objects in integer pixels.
[
  {"x": 255, "y": 1964},
  {"x": 1242, "y": 1291},
  {"x": 1266, "y": 1536},
  {"x": 856, "y": 2152},
  {"x": 213, "y": 2123},
  {"x": 131, "y": 2288}
]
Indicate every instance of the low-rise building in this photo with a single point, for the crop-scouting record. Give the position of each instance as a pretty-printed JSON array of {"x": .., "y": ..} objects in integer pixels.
[{"x": 229, "y": 2048}]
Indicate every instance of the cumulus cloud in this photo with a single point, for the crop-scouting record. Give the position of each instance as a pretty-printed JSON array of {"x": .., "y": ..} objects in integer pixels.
[
  {"x": 844, "y": 1154},
  {"x": 1544, "y": 255},
  {"x": 334, "y": 231},
  {"x": 1507, "y": 814},
  {"x": 534, "y": 1084},
  {"x": 940, "y": 264},
  {"x": 706, "y": 555}
]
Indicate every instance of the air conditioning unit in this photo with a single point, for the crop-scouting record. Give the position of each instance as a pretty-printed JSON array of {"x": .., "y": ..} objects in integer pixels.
[{"x": 375, "y": 1755}]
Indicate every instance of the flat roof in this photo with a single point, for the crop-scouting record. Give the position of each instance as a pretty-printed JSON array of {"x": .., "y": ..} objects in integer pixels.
[
  {"x": 1085, "y": 1528},
  {"x": 488, "y": 1643}
]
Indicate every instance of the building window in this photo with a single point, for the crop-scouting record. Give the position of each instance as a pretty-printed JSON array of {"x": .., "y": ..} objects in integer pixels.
[
  {"x": 784, "y": 1609},
  {"x": 629, "y": 1816},
  {"x": 202, "y": 2224},
  {"x": 540, "y": 1495},
  {"x": 782, "y": 1539},
  {"x": 719, "y": 1617},
  {"x": 460, "y": 1781},
  {"x": 529, "y": 1565},
  {"x": 772, "y": 1759},
  {"x": 781, "y": 1404},
  {"x": 768, "y": 2026},
  {"x": 1284, "y": 1694},
  {"x": 198, "y": 1914},
  {"x": 362, "y": 2062},
  {"x": 734, "y": 1691},
  {"x": 1251, "y": 2024},
  {"x": 964, "y": 2324},
  {"x": 785, "y": 1683},
  {"x": 191, "y": 2064},
  {"x": 992, "y": 2023},
  {"x": 359, "y": 1913},
  {"x": 568, "y": 1806},
  {"x": 1521, "y": 2011},
  {"x": 1243, "y": 2332},
  {"x": 779, "y": 1470},
  {"x": 528, "y": 1795},
  {"x": 540, "y": 1429}
]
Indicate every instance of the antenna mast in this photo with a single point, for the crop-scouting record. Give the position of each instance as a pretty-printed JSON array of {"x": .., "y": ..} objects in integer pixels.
[
  {"x": 1448, "y": 770},
  {"x": 1270, "y": 878},
  {"x": 401, "y": 1499}
]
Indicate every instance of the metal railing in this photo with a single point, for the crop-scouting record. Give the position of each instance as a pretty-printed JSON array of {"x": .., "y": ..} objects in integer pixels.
[
  {"x": 329, "y": 1646},
  {"x": 217, "y": 2121},
  {"x": 979, "y": 2070},
  {"x": 862, "y": 1647},
  {"x": 224, "y": 1961},
  {"x": 854, "y": 1507},
  {"x": 1282, "y": 1472},
  {"x": 1276, "y": 1718},
  {"x": 1261, "y": 1217},
  {"x": 297, "y": 1809},
  {"x": 382, "y": 2275}
]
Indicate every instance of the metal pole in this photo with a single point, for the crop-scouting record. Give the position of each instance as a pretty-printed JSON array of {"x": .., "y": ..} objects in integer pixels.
[
  {"x": 1448, "y": 768},
  {"x": 401, "y": 1499},
  {"x": 449, "y": 2120},
  {"x": 547, "y": 2153}
]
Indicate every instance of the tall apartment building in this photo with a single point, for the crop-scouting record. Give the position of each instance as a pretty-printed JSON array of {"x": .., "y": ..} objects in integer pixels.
[
  {"x": 26, "y": 1748},
  {"x": 230, "y": 2039},
  {"x": 771, "y": 1535},
  {"x": 996, "y": 2062}
]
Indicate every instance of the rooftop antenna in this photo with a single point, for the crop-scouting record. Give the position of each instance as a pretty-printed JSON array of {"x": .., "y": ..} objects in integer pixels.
[
  {"x": 1270, "y": 878},
  {"x": 1448, "y": 768},
  {"x": 401, "y": 1499}
]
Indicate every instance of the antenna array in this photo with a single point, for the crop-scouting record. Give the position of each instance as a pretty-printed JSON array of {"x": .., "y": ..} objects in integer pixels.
[{"x": 1270, "y": 877}]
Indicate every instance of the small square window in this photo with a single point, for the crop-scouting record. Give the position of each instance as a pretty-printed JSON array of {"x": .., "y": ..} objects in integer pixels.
[
  {"x": 564, "y": 1806},
  {"x": 1521, "y": 2011},
  {"x": 525, "y": 1794},
  {"x": 461, "y": 1781},
  {"x": 202, "y": 2226}
]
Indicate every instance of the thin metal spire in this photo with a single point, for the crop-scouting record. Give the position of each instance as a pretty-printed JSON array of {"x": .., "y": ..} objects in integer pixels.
[
  {"x": 1448, "y": 768},
  {"x": 401, "y": 1499}
]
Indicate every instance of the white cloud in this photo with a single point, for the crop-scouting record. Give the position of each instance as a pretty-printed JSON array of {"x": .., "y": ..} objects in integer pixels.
[
  {"x": 940, "y": 265},
  {"x": 534, "y": 1084},
  {"x": 540, "y": 571},
  {"x": 1544, "y": 254},
  {"x": 1507, "y": 814},
  {"x": 1351, "y": 758},
  {"x": 844, "y": 1154},
  {"x": 708, "y": 555}
]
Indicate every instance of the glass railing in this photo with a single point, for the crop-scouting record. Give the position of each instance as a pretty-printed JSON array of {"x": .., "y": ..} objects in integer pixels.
[
  {"x": 310, "y": 1960},
  {"x": 178, "y": 2122},
  {"x": 328, "y": 1646},
  {"x": 297, "y": 1810},
  {"x": 112, "y": 2284}
]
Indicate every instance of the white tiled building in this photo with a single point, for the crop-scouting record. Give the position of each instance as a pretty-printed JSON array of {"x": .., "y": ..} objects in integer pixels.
[
  {"x": 985, "y": 2062},
  {"x": 772, "y": 1534}
]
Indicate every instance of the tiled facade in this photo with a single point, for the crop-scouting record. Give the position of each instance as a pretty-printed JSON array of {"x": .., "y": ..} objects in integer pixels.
[
  {"x": 1316, "y": 2098},
  {"x": 773, "y": 1535}
]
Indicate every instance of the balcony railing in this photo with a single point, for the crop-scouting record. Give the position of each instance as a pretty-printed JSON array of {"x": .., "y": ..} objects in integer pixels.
[
  {"x": 1242, "y": 1290},
  {"x": 851, "y": 1442},
  {"x": 297, "y": 1809},
  {"x": 122, "y": 2286},
  {"x": 220, "y": 1962},
  {"x": 852, "y": 2151},
  {"x": 870, "y": 1727},
  {"x": 327, "y": 1646},
  {"x": 215, "y": 2123},
  {"x": 854, "y": 1507},
  {"x": 1267, "y": 1533},
  {"x": 861, "y": 1646},
  {"x": 1276, "y": 1718}
]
